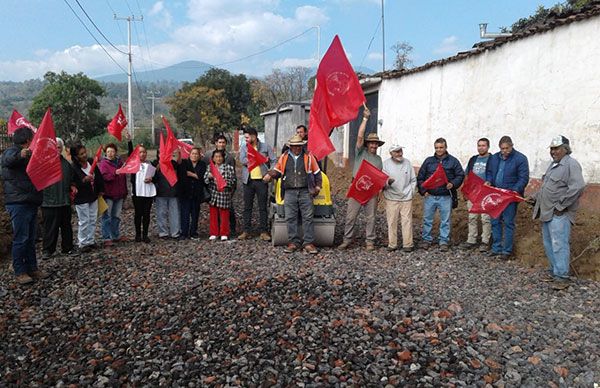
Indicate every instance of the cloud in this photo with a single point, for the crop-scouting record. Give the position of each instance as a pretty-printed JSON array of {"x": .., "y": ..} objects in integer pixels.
[
  {"x": 295, "y": 62},
  {"x": 449, "y": 45},
  {"x": 375, "y": 56},
  {"x": 161, "y": 16}
]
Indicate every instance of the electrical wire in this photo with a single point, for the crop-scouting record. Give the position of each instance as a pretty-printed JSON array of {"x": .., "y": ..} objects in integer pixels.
[{"x": 98, "y": 29}]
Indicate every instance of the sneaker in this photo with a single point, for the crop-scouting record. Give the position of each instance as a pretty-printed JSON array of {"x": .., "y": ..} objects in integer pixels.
[
  {"x": 560, "y": 284},
  {"x": 265, "y": 236},
  {"x": 224, "y": 238},
  {"x": 492, "y": 254},
  {"x": 71, "y": 252},
  {"x": 370, "y": 246},
  {"x": 344, "y": 245},
  {"x": 244, "y": 236},
  {"x": 291, "y": 247},
  {"x": 391, "y": 249},
  {"x": 38, "y": 274},
  {"x": 408, "y": 249},
  {"x": 310, "y": 248},
  {"x": 24, "y": 279},
  {"x": 426, "y": 245},
  {"x": 212, "y": 238},
  {"x": 483, "y": 248},
  {"x": 444, "y": 248},
  {"x": 467, "y": 245},
  {"x": 108, "y": 243},
  {"x": 547, "y": 277}
]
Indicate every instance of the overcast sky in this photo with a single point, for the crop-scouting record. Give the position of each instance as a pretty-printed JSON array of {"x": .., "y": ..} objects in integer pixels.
[{"x": 43, "y": 35}]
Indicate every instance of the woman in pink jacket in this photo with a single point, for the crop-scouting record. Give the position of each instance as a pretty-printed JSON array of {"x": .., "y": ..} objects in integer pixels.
[{"x": 115, "y": 191}]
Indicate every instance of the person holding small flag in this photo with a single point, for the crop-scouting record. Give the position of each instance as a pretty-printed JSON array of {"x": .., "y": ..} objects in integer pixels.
[
  {"x": 366, "y": 149},
  {"x": 438, "y": 178},
  {"x": 143, "y": 192},
  {"x": 252, "y": 178},
  {"x": 115, "y": 192},
  {"x": 167, "y": 204},
  {"x": 190, "y": 175},
  {"x": 506, "y": 169},
  {"x": 301, "y": 181},
  {"x": 220, "y": 178}
]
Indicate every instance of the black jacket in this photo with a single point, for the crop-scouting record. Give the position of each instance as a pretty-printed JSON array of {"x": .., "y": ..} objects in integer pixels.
[
  {"x": 87, "y": 192},
  {"x": 163, "y": 187},
  {"x": 189, "y": 187},
  {"x": 17, "y": 185}
]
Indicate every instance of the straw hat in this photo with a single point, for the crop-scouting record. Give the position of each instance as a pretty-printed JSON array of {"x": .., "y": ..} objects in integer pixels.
[
  {"x": 296, "y": 140},
  {"x": 372, "y": 137}
]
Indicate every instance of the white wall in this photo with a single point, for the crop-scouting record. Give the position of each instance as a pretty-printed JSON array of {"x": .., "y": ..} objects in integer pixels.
[{"x": 531, "y": 89}]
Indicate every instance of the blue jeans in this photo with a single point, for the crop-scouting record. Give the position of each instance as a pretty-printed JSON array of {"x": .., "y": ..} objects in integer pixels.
[
  {"x": 294, "y": 200},
  {"x": 504, "y": 226},
  {"x": 23, "y": 218},
  {"x": 444, "y": 204},
  {"x": 167, "y": 216},
  {"x": 111, "y": 219},
  {"x": 87, "y": 213},
  {"x": 556, "y": 234}
]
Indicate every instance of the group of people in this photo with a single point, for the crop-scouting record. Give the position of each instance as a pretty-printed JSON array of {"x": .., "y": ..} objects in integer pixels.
[{"x": 178, "y": 206}]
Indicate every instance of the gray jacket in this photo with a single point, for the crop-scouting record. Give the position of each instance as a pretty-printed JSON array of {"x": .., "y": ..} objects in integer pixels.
[
  {"x": 263, "y": 149},
  {"x": 562, "y": 185}
]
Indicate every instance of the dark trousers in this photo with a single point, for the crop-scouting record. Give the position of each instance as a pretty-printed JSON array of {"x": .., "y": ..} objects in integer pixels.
[
  {"x": 57, "y": 219},
  {"x": 23, "y": 218},
  {"x": 258, "y": 188},
  {"x": 190, "y": 211},
  {"x": 142, "y": 207}
]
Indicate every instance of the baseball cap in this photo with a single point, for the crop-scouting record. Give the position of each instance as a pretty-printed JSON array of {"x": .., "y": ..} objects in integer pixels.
[
  {"x": 395, "y": 147},
  {"x": 559, "y": 140}
]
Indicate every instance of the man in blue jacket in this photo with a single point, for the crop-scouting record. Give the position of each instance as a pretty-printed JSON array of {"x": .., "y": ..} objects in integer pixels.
[
  {"x": 440, "y": 197},
  {"x": 507, "y": 169}
]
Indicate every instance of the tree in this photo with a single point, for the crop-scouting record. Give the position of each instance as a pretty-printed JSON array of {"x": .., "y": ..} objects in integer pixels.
[
  {"x": 402, "y": 50},
  {"x": 542, "y": 14},
  {"x": 290, "y": 84},
  {"x": 74, "y": 103},
  {"x": 200, "y": 111}
]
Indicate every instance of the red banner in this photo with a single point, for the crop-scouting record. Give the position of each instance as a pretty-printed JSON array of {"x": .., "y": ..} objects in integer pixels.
[
  {"x": 471, "y": 186},
  {"x": 437, "y": 179},
  {"x": 115, "y": 127},
  {"x": 336, "y": 100},
  {"x": 17, "y": 121},
  {"x": 165, "y": 151},
  {"x": 219, "y": 180},
  {"x": 255, "y": 158},
  {"x": 96, "y": 159},
  {"x": 44, "y": 166},
  {"x": 367, "y": 183},
  {"x": 492, "y": 200},
  {"x": 132, "y": 164}
]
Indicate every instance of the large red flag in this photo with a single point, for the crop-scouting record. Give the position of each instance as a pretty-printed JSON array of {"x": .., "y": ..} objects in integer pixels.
[
  {"x": 437, "y": 179},
  {"x": 493, "y": 200},
  {"x": 132, "y": 164},
  {"x": 44, "y": 166},
  {"x": 96, "y": 160},
  {"x": 115, "y": 127},
  {"x": 471, "y": 186},
  {"x": 367, "y": 182},
  {"x": 184, "y": 148},
  {"x": 336, "y": 101},
  {"x": 255, "y": 158},
  {"x": 165, "y": 150},
  {"x": 219, "y": 180},
  {"x": 17, "y": 121}
]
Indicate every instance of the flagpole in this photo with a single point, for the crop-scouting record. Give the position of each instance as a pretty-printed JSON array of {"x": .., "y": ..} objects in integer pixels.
[{"x": 383, "y": 33}]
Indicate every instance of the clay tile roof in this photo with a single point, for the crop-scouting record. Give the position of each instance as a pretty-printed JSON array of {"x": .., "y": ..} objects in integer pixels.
[{"x": 552, "y": 21}]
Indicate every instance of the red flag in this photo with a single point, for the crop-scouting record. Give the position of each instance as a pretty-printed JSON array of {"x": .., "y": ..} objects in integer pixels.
[
  {"x": 493, "y": 200},
  {"x": 166, "y": 167},
  {"x": 255, "y": 158},
  {"x": 219, "y": 180},
  {"x": 44, "y": 166},
  {"x": 336, "y": 101},
  {"x": 437, "y": 179},
  {"x": 115, "y": 127},
  {"x": 132, "y": 164},
  {"x": 17, "y": 121},
  {"x": 184, "y": 148},
  {"x": 96, "y": 160},
  {"x": 367, "y": 183},
  {"x": 471, "y": 187}
]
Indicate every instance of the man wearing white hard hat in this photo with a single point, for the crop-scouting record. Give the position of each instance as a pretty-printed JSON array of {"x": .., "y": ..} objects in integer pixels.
[
  {"x": 555, "y": 206},
  {"x": 398, "y": 194}
]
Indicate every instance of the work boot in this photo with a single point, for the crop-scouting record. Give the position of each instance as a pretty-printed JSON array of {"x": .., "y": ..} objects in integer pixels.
[
  {"x": 467, "y": 245},
  {"x": 370, "y": 246},
  {"x": 310, "y": 248},
  {"x": 24, "y": 279},
  {"x": 444, "y": 247},
  {"x": 425, "y": 245},
  {"x": 344, "y": 245},
  {"x": 408, "y": 249},
  {"x": 265, "y": 236},
  {"x": 291, "y": 247},
  {"x": 483, "y": 248},
  {"x": 244, "y": 236},
  {"x": 38, "y": 274}
]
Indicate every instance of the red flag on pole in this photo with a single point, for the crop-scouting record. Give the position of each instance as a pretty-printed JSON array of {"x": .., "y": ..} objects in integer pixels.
[
  {"x": 493, "y": 200},
  {"x": 96, "y": 160},
  {"x": 132, "y": 164},
  {"x": 219, "y": 180},
  {"x": 115, "y": 127},
  {"x": 44, "y": 166},
  {"x": 437, "y": 179},
  {"x": 255, "y": 158},
  {"x": 471, "y": 186},
  {"x": 336, "y": 101},
  {"x": 184, "y": 148},
  {"x": 165, "y": 150},
  {"x": 367, "y": 183},
  {"x": 17, "y": 121}
]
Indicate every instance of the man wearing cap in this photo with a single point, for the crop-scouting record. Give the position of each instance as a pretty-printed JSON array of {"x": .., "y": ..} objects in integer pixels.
[
  {"x": 556, "y": 204},
  {"x": 301, "y": 180},
  {"x": 366, "y": 149},
  {"x": 439, "y": 198},
  {"x": 507, "y": 169},
  {"x": 398, "y": 194}
]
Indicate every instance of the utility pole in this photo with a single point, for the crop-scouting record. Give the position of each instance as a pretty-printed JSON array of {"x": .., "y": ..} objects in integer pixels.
[
  {"x": 153, "y": 98},
  {"x": 383, "y": 33},
  {"x": 129, "y": 19}
]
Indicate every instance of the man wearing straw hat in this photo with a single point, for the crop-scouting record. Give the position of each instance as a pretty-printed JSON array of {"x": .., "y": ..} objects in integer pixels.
[
  {"x": 301, "y": 180},
  {"x": 366, "y": 149}
]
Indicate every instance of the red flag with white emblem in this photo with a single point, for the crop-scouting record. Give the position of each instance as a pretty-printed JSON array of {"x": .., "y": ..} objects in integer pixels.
[
  {"x": 132, "y": 164},
  {"x": 115, "y": 127},
  {"x": 367, "y": 183},
  {"x": 493, "y": 200},
  {"x": 44, "y": 166},
  {"x": 17, "y": 121}
]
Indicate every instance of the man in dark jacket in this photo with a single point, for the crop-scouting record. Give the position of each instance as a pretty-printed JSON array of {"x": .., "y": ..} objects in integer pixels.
[
  {"x": 440, "y": 197},
  {"x": 56, "y": 210},
  {"x": 22, "y": 201},
  {"x": 167, "y": 206},
  {"x": 507, "y": 169}
]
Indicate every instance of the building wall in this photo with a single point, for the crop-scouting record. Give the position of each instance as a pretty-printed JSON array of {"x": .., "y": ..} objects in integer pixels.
[{"x": 531, "y": 89}]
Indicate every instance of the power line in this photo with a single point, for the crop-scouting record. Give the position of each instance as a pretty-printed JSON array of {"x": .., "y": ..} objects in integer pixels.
[
  {"x": 116, "y": 21},
  {"x": 98, "y": 29},
  {"x": 93, "y": 36},
  {"x": 139, "y": 89},
  {"x": 370, "y": 42}
]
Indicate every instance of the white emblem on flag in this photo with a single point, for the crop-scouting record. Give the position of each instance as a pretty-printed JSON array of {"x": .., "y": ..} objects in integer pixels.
[
  {"x": 338, "y": 83},
  {"x": 364, "y": 183}
]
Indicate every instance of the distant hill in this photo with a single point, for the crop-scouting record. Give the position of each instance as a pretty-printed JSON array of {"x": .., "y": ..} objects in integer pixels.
[{"x": 187, "y": 71}]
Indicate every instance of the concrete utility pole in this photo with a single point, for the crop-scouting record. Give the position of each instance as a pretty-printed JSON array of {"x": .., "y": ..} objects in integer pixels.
[
  {"x": 383, "y": 33},
  {"x": 153, "y": 98},
  {"x": 129, "y": 19}
]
